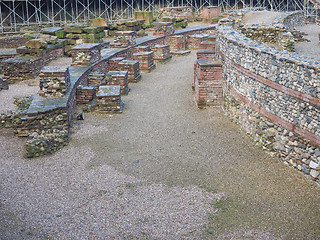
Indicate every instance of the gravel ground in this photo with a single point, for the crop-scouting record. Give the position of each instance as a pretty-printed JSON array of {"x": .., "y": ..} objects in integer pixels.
[
  {"x": 260, "y": 17},
  {"x": 312, "y": 48}
]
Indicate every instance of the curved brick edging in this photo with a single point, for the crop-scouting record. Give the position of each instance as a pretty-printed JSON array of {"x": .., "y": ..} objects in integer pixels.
[{"x": 274, "y": 95}]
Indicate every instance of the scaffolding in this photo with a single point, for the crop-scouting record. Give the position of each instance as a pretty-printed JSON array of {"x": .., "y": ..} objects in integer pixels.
[{"x": 15, "y": 13}]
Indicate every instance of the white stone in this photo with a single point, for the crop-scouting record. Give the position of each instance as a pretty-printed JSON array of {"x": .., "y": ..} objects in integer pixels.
[
  {"x": 314, "y": 165},
  {"x": 314, "y": 173}
]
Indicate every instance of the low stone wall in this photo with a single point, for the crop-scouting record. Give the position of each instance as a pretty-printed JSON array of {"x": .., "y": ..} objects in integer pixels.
[
  {"x": 13, "y": 41},
  {"x": 27, "y": 67},
  {"x": 274, "y": 95},
  {"x": 278, "y": 33}
]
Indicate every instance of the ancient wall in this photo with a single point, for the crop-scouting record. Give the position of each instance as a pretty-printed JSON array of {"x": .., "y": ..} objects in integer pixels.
[
  {"x": 274, "y": 95},
  {"x": 278, "y": 33}
]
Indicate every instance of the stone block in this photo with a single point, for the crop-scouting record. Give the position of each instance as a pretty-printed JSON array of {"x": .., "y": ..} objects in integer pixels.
[
  {"x": 54, "y": 81},
  {"x": 147, "y": 16},
  {"x": 124, "y": 39},
  {"x": 85, "y": 94},
  {"x": 177, "y": 42},
  {"x": 210, "y": 12},
  {"x": 208, "y": 83},
  {"x": 141, "y": 49},
  {"x": 206, "y": 54},
  {"x": 146, "y": 63},
  {"x": 194, "y": 41},
  {"x": 161, "y": 53},
  {"x": 207, "y": 45},
  {"x": 95, "y": 79},
  {"x": 73, "y": 29},
  {"x": 36, "y": 44},
  {"x": 48, "y": 38},
  {"x": 163, "y": 28},
  {"x": 93, "y": 29},
  {"x": 99, "y": 22},
  {"x": 113, "y": 63},
  {"x": 132, "y": 67},
  {"x": 51, "y": 30},
  {"x": 109, "y": 99},
  {"x": 118, "y": 78},
  {"x": 86, "y": 54}
]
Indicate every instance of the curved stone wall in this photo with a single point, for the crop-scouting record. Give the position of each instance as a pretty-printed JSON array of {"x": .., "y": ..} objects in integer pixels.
[{"x": 275, "y": 96}]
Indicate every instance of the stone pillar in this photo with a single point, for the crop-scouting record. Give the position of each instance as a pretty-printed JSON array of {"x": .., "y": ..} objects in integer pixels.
[
  {"x": 212, "y": 37},
  {"x": 141, "y": 49},
  {"x": 132, "y": 67},
  {"x": 208, "y": 45},
  {"x": 206, "y": 54},
  {"x": 146, "y": 63},
  {"x": 124, "y": 39},
  {"x": 85, "y": 94},
  {"x": 208, "y": 83},
  {"x": 195, "y": 40},
  {"x": 163, "y": 28},
  {"x": 113, "y": 63},
  {"x": 147, "y": 16},
  {"x": 177, "y": 42},
  {"x": 109, "y": 99},
  {"x": 118, "y": 78},
  {"x": 54, "y": 81},
  {"x": 95, "y": 79},
  {"x": 86, "y": 54},
  {"x": 161, "y": 53}
]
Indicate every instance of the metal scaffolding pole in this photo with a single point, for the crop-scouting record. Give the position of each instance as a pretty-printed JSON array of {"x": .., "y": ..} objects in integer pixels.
[{"x": 15, "y": 13}]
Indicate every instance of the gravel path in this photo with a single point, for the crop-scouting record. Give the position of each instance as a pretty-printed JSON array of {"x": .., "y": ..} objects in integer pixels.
[
  {"x": 312, "y": 48},
  {"x": 160, "y": 170},
  {"x": 260, "y": 17}
]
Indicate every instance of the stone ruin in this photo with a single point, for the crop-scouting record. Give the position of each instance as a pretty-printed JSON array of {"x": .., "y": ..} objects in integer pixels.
[{"x": 103, "y": 81}]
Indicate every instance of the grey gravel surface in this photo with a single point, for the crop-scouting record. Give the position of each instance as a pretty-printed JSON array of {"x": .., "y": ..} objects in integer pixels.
[
  {"x": 160, "y": 170},
  {"x": 260, "y": 17},
  {"x": 309, "y": 48}
]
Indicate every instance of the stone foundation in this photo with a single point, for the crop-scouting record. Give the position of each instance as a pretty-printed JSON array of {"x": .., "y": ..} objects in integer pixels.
[
  {"x": 118, "y": 78},
  {"x": 274, "y": 95},
  {"x": 114, "y": 63},
  {"x": 109, "y": 99},
  {"x": 194, "y": 41},
  {"x": 132, "y": 67},
  {"x": 163, "y": 28},
  {"x": 85, "y": 94},
  {"x": 146, "y": 63},
  {"x": 27, "y": 67},
  {"x": 86, "y": 54},
  {"x": 95, "y": 79},
  {"x": 208, "y": 83},
  {"x": 54, "y": 81},
  {"x": 206, "y": 54},
  {"x": 177, "y": 43},
  {"x": 124, "y": 39},
  {"x": 161, "y": 53}
]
